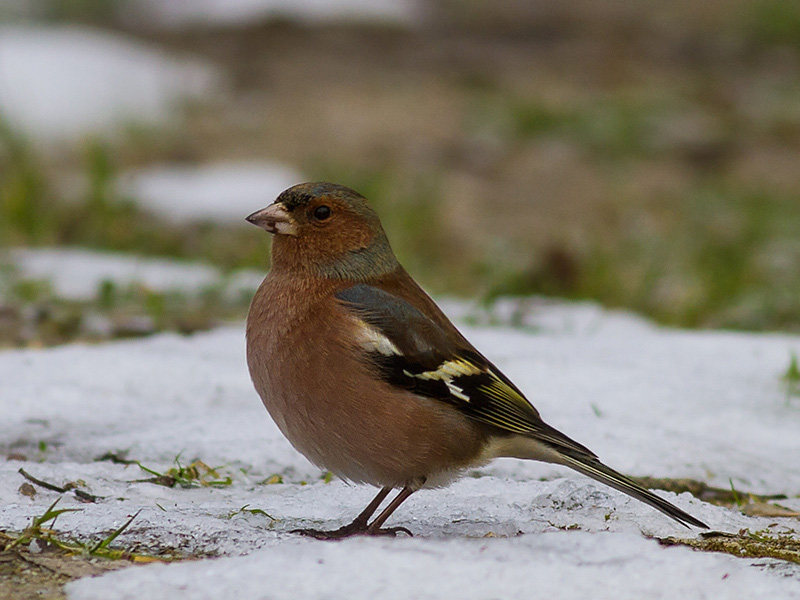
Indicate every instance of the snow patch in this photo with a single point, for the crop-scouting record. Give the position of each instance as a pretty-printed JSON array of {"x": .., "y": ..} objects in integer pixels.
[
  {"x": 78, "y": 274},
  {"x": 172, "y": 14},
  {"x": 553, "y": 565},
  {"x": 225, "y": 192},
  {"x": 649, "y": 401},
  {"x": 69, "y": 82}
]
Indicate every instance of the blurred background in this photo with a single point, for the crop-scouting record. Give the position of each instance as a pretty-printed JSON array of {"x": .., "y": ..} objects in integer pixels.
[{"x": 644, "y": 155}]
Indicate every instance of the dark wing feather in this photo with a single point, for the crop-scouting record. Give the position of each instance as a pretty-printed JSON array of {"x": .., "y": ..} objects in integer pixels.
[{"x": 418, "y": 355}]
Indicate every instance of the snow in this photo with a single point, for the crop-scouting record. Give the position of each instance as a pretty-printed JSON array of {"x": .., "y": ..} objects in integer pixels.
[
  {"x": 649, "y": 401},
  {"x": 172, "y": 14},
  {"x": 550, "y": 565},
  {"x": 68, "y": 82},
  {"x": 223, "y": 192},
  {"x": 79, "y": 274}
]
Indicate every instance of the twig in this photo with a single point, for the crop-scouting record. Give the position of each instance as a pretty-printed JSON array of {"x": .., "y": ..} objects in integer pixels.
[
  {"x": 81, "y": 495},
  {"x": 85, "y": 496},
  {"x": 39, "y": 482}
]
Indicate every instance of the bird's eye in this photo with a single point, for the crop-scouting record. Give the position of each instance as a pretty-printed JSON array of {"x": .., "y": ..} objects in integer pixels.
[{"x": 322, "y": 212}]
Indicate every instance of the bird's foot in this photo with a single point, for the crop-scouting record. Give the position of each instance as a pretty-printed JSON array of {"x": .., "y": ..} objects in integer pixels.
[{"x": 352, "y": 529}]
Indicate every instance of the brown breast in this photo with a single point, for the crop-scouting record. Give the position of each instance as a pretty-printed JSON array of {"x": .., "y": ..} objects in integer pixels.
[{"x": 330, "y": 405}]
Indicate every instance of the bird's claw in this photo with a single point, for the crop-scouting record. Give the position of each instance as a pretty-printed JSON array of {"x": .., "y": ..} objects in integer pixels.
[{"x": 390, "y": 531}]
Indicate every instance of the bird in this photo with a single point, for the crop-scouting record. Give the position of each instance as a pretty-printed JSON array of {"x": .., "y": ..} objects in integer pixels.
[{"x": 367, "y": 378}]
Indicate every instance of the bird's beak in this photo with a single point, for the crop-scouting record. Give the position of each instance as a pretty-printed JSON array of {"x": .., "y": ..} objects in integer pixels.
[{"x": 274, "y": 219}]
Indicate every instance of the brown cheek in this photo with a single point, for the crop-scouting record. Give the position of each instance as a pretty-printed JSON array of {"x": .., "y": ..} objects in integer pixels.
[
  {"x": 329, "y": 243},
  {"x": 350, "y": 235},
  {"x": 363, "y": 236}
]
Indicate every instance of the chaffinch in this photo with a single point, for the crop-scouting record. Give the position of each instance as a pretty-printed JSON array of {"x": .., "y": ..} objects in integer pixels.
[{"x": 367, "y": 377}]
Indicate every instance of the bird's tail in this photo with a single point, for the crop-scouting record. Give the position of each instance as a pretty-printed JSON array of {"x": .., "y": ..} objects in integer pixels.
[{"x": 592, "y": 467}]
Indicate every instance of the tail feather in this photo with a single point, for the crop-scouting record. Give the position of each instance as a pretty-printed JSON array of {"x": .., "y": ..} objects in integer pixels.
[{"x": 591, "y": 467}]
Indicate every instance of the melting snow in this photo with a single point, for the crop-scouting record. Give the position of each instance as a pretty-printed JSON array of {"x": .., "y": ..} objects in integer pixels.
[
  {"x": 70, "y": 82},
  {"x": 225, "y": 192},
  {"x": 649, "y": 401},
  {"x": 170, "y": 14}
]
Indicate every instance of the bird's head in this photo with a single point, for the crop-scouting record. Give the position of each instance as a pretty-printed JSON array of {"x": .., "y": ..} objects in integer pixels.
[{"x": 327, "y": 229}]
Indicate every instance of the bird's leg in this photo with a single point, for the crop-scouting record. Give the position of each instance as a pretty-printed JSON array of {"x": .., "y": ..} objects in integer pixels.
[
  {"x": 359, "y": 524},
  {"x": 374, "y": 528}
]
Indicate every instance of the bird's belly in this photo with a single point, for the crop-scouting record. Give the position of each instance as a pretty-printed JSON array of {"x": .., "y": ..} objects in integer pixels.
[{"x": 374, "y": 433}]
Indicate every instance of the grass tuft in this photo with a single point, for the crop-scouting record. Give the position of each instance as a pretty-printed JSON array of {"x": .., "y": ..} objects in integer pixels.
[
  {"x": 36, "y": 529},
  {"x": 743, "y": 544},
  {"x": 791, "y": 378},
  {"x": 250, "y": 511},
  {"x": 196, "y": 474},
  {"x": 102, "y": 548}
]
